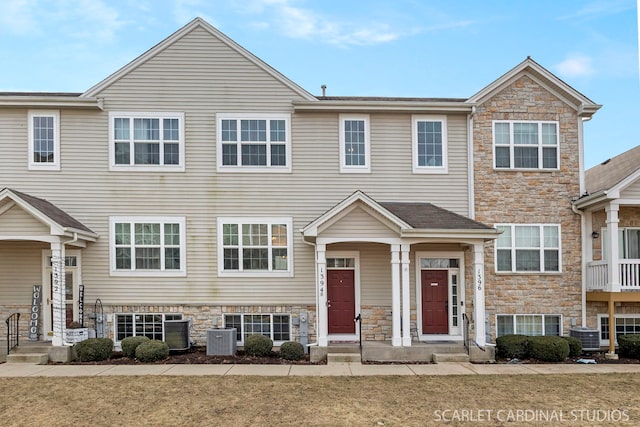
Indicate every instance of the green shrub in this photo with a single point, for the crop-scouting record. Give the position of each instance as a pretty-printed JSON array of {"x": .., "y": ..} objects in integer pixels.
[
  {"x": 152, "y": 351},
  {"x": 94, "y": 349},
  {"x": 629, "y": 346},
  {"x": 291, "y": 350},
  {"x": 129, "y": 345},
  {"x": 512, "y": 346},
  {"x": 575, "y": 346},
  {"x": 548, "y": 348},
  {"x": 258, "y": 345}
]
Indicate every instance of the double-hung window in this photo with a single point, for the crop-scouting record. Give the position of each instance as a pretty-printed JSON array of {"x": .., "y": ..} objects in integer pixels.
[
  {"x": 147, "y": 246},
  {"x": 526, "y": 145},
  {"x": 429, "y": 134},
  {"x": 355, "y": 147},
  {"x": 255, "y": 246},
  {"x": 528, "y": 248},
  {"x": 44, "y": 140},
  {"x": 254, "y": 142},
  {"x": 146, "y": 141}
]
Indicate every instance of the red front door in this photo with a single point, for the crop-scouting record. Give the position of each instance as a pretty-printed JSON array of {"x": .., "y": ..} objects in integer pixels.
[
  {"x": 341, "y": 301},
  {"x": 435, "y": 302}
]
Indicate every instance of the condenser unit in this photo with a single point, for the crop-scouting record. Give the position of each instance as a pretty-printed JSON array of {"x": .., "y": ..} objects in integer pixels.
[
  {"x": 590, "y": 338},
  {"x": 221, "y": 342},
  {"x": 176, "y": 334}
]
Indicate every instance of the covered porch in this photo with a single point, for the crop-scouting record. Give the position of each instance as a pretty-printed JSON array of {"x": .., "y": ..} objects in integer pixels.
[
  {"x": 42, "y": 248},
  {"x": 404, "y": 274}
]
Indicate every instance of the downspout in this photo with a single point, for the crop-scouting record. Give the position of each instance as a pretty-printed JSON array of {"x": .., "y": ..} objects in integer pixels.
[
  {"x": 583, "y": 264},
  {"x": 471, "y": 174}
]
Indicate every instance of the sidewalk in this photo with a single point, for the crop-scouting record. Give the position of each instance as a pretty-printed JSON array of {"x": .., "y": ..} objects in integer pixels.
[{"x": 334, "y": 369}]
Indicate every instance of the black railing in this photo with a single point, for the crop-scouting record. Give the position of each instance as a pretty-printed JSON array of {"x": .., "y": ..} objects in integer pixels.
[
  {"x": 358, "y": 319},
  {"x": 12, "y": 331},
  {"x": 465, "y": 332}
]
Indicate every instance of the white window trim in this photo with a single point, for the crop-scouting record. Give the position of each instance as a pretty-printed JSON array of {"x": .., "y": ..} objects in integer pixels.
[
  {"x": 414, "y": 143},
  {"x": 180, "y": 167},
  {"x": 540, "y": 145},
  {"x": 542, "y": 316},
  {"x": 366, "y": 168},
  {"x": 513, "y": 249},
  {"x": 115, "y": 323},
  {"x": 148, "y": 273},
  {"x": 255, "y": 220},
  {"x": 275, "y": 343},
  {"x": 604, "y": 343},
  {"x": 253, "y": 116},
  {"x": 55, "y": 165}
]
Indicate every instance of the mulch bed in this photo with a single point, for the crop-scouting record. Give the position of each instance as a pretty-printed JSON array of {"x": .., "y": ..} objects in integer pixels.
[{"x": 198, "y": 356}]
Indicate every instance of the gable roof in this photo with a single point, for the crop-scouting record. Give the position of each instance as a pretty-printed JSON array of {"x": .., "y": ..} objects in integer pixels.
[
  {"x": 196, "y": 23},
  {"x": 411, "y": 218},
  {"x": 48, "y": 213},
  {"x": 583, "y": 105}
]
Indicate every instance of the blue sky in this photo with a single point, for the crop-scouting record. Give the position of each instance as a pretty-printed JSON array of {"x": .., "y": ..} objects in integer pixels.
[{"x": 426, "y": 48}]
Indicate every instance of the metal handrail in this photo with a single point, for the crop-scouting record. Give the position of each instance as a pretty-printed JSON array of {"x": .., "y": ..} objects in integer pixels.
[
  {"x": 465, "y": 332},
  {"x": 13, "y": 335}
]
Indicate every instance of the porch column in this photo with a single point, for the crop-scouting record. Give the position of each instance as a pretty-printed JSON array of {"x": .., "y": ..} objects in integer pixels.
[
  {"x": 406, "y": 296},
  {"x": 323, "y": 311},
  {"x": 613, "y": 271},
  {"x": 478, "y": 293},
  {"x": 58, "y": 293},
  {"x": 612, "y": 330},
  {"x": 396, "y": 339}
]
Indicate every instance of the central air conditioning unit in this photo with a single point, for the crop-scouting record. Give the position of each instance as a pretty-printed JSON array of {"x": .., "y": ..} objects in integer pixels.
[
  {"x": 590, "y": 338},
  {"x": 221, "y": 342},
  {"x": 176, "y": 334}
]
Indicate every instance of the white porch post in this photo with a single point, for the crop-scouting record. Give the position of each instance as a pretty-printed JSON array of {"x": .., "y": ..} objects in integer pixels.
[
  {"x": 613, "y": 272},
  {"x": 58, "y": 293},
  {"x": 478, "y": 291},
  {"x": 406, "y": 296},
  {"x": 323, "y": 311},
  {"x": 396, "y": 339}
]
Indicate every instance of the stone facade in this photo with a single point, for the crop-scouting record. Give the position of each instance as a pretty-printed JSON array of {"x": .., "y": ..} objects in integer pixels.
[{"x": 530, "y": 197}]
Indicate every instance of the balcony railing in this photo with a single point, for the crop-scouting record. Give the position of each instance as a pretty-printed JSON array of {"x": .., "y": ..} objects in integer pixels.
[{"x": 629, "y": 273}]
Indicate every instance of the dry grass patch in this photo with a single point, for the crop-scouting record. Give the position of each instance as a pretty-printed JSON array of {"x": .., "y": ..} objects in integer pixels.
[{"x": 233, "y": 401}]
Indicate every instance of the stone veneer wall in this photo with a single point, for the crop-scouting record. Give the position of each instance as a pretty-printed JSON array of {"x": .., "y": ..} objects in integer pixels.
[{"x": 530, "y": 197}]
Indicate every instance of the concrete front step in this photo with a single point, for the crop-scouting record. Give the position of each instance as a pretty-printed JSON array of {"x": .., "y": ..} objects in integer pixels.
[
  {"x": 31, "y": 348},
  {"x": 343, "y": 357},
  {"x": 34, "y": 358},
  {"x": 450, "y": 357}
]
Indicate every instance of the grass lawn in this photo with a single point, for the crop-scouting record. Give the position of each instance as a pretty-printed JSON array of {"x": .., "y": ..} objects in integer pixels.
[{"x": 377, "y": 401}]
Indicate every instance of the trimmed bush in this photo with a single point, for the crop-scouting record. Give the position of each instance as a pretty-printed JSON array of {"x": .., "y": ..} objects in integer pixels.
[
  {"x": 94, "y": 349},
  {"x": 548, "y": 348},
  {"x": 129, "y": 345},
  {"x": 629, "y": 346},
  {"x": 258, "y": 345},
  {"x": 291, "y": 350},
  {"x": 152, "y": 351},
  {"x": 575, "y": 346},
  {"x": 512, "y": 346}
]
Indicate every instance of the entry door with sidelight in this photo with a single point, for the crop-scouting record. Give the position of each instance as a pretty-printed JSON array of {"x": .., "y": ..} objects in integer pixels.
[
  {"x": 71, "y": 296},
  {"x": 341, "y": 296}
]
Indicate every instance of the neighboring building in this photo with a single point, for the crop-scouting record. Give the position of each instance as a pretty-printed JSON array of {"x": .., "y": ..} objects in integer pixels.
[
  {"x": 611, "y": 206},
  {"x": 198, "y": 182}
]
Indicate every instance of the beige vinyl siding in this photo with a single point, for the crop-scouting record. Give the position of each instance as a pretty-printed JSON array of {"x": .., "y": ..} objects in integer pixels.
[
  {"x": 21, "y": 266},
  {"x": 358, "y": 223},
  {"x": 17, "y": 221},
  {"x": 632, "y": 191},
  {"x": 200, "y": 76}
]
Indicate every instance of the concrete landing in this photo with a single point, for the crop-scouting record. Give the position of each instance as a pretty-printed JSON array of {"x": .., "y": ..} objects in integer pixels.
[
  {"x": 33, "y": 358},
  {"x": 450, "y": 357}
]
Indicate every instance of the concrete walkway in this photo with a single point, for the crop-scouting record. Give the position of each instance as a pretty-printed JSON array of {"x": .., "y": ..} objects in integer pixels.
[{"x": 334, "y": 369}]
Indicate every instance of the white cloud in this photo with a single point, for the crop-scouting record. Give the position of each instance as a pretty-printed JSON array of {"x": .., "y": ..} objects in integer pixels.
[
  {"x": 18, "y": 18},
  {"x": 575, "y": 66},
  {"x": 599, "y": 8}
]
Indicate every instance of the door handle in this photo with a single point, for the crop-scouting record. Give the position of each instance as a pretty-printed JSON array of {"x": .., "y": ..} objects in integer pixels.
[{"x": 328, "y": 303}]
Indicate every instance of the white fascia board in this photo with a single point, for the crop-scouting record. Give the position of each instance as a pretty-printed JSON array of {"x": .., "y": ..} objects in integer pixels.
[
  {"x": 43, "y": 101},
  {"x": 382, "y": 106}
]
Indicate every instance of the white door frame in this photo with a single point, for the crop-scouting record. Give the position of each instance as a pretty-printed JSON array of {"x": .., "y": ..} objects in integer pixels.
[
  {"x": 47, "y": 327},
  {"x": 455, "y": 332},
  {"x": 355, "y": 255}
]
